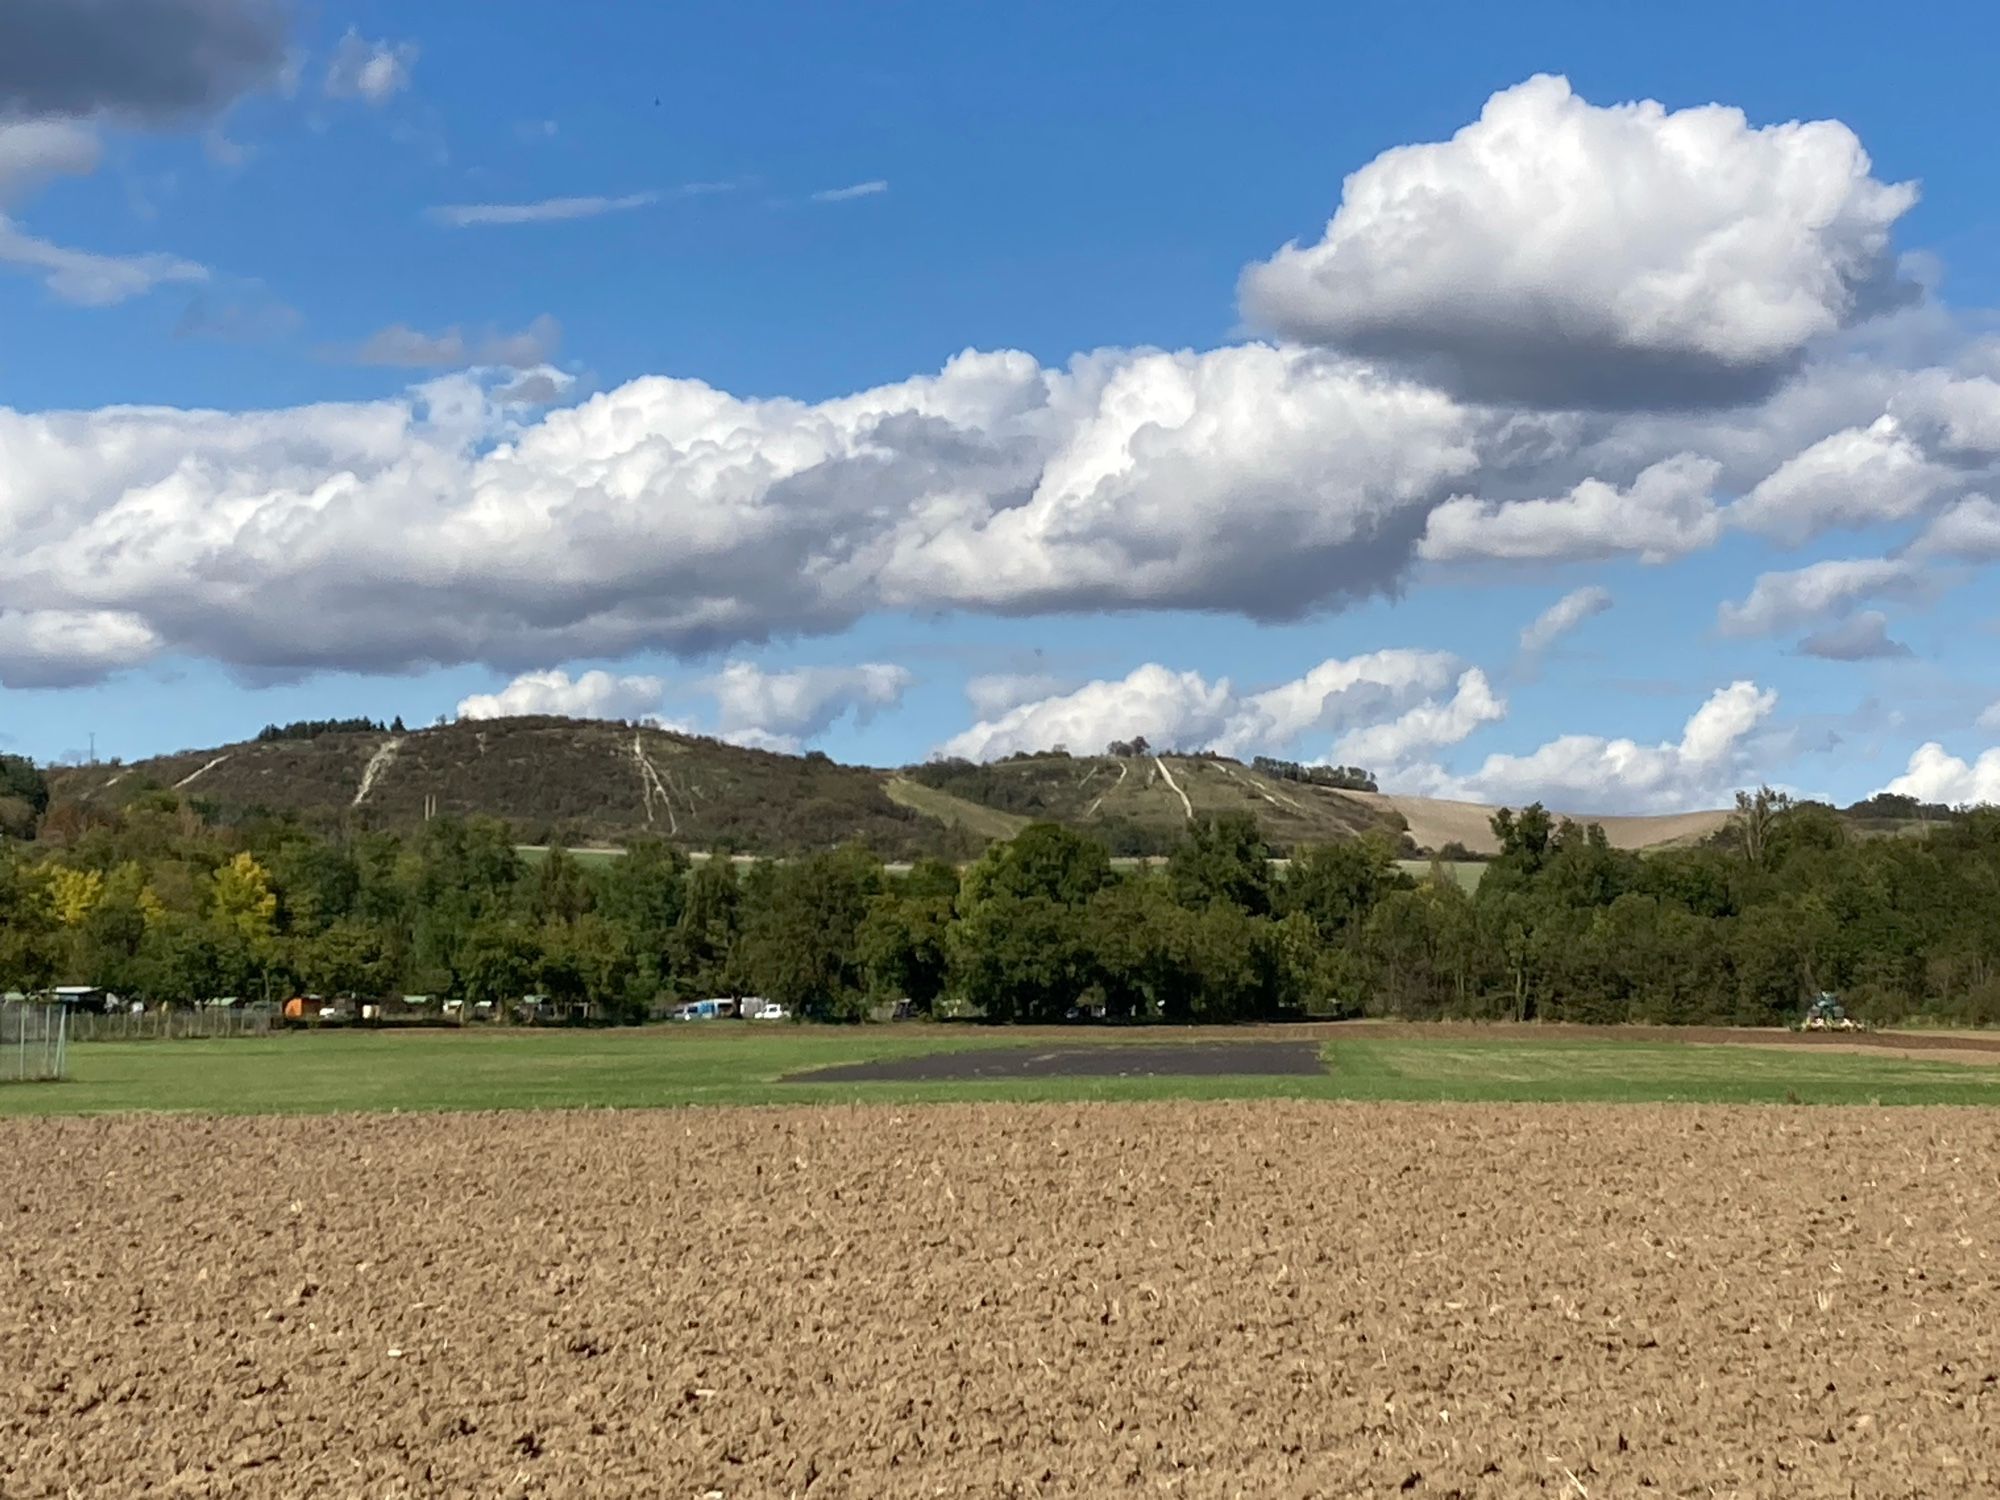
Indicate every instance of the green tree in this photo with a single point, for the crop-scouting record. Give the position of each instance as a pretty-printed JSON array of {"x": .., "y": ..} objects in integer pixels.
[
  {"x": 705, "y": 934},
  {"x": 1022, "y": 957},
  {"x": 1336, "y": 886},
  {"x": 644, "y": 893},
  {"x": 1045, "y": 860},
  {"x": 801, "y": 944},
  {"x": 24, "y": 796},
  {"x": 187, "y": 960},
  {"x": 348, "y": 957},
  {"x": 589, "y": 960},
  {"x": 1137, "y": 941},
  {"x": 497, "y": 963},
  {"x": 902, "y": 945},
  {"x": 1223, "y": 861},
  {"x": 1020, "y": 950},
  {"x": 319, "y": 883},
  {"x": 561, "y": 893}
]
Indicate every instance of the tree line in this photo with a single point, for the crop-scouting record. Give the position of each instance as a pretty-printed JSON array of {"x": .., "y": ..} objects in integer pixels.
[
  {"x": 312, "y": 729},
  {"x": 156, "y": 901},
  {"x": 1340, "y": 778}
]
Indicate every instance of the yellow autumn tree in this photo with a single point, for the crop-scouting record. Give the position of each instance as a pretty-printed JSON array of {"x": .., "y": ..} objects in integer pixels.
[
  {"x": 73, "y": 894},
  {"x": 244, "y": 900}
]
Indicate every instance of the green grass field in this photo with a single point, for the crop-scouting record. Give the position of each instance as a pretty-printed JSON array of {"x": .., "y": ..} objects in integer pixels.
[
  {"x": 307, "y": 1073},
  {"x": 1467, "y": 872}
]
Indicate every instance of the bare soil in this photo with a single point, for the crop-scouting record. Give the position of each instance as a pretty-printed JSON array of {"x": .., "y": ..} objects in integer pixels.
[
  {"x": 1280, "y": 1299},
  {"x": 1096, "y": 1060}
]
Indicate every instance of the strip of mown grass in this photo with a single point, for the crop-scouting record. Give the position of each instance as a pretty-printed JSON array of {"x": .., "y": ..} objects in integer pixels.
[
  {"x": 1612, "y": 1071},
  {"x": 313, "y": 1073}
]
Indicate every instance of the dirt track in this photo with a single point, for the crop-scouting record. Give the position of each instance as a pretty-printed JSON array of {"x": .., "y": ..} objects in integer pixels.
[{"x": 1248, "y": 1299}]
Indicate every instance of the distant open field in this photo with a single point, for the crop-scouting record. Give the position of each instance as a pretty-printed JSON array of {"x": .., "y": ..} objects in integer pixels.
[
  {"x": 742, "y": 1063},
  {"x": 1435, "y": 822},
  {"x": 1467, "y": 872},
  {"x": 1228, "y": 1299}
]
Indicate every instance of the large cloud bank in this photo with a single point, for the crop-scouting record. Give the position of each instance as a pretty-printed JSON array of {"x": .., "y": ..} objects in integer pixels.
[
  {"x": 668, "y": 514},
  {"x": 1572, "y": 332}
]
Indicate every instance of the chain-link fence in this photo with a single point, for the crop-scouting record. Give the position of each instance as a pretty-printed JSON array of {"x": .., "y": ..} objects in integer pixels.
[
  {"x": 34, "y": 1041},
  {"x": 156, "y": 1024}
]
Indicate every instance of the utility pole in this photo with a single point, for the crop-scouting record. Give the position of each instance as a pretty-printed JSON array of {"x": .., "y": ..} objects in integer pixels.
[{"x": 93, "y": 747}]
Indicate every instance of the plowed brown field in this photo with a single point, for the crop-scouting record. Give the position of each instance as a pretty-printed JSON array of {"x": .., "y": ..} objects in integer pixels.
[{"x": 1268, "y": 1299}]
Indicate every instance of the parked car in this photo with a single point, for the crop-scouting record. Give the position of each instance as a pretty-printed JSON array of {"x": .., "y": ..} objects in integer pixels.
[{"x": 770, "y": 1010}]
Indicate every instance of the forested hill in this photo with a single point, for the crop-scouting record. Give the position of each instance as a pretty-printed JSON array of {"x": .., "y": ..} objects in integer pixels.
[
  {"x": 554, "y": 780},
  {"x": 579, "y": 781}
]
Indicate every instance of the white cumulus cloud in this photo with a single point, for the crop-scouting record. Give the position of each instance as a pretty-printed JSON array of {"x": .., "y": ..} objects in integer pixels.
[
  {"x": 1169, "y": 709},
  {"x": 1565, "y": 253},
  {"x": 1969, "y": 531},
  {"x": 1807, "y": 596},
  {"x": 991, "y": 694},
  {"x": 63, "y": 647},
  {"x": 1185, "y": 711},
  {"x": 1666, "y": 512},
  {"x": 592, "y": 695},
  {"x": 1430, "y": 726},
  {"x": 443, "y": 526},
  {"x": 1936, "y": 776},
  {"x": 1591, "y": 774},
  {"x": 1853, "y": 478},
  {"x": 782, "y": 710}
]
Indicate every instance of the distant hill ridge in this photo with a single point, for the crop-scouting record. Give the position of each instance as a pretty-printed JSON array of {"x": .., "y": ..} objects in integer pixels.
[{"x": 602, "y": 781}]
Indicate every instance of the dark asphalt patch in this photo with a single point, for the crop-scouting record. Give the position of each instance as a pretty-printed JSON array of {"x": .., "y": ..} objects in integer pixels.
[{"x": 1194, "y": 1060}]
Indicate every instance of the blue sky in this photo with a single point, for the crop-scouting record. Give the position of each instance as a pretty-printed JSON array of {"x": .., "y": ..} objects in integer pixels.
[{"x": 792, "y": 204}]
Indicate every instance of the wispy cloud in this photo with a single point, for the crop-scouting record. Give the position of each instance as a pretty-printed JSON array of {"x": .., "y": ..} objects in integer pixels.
[
  {"x": 1560, "y": 618},
  {"x": 400, "y": 346},
  {"x": 545, "y": 211},
  {"x": 89, "y": 279},
  {"x": 855, "y": 190},
  {"x": 246, "y": 313}
]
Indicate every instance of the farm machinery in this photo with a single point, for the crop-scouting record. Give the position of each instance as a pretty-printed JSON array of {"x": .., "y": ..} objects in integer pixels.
[{"x": 1828, "y": 1014}]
